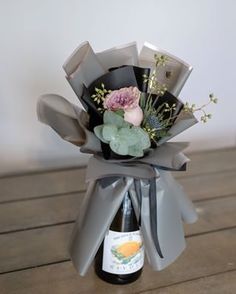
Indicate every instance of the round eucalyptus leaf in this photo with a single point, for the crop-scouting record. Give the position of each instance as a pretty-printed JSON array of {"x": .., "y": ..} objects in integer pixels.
[
  {"x": 135, "y": 150},
  {"x": 128, "y": 136},
  {"x": 119, "y": 146},
  {"x": 144, "y": 140},
  {"x": 112, "y": 118},
  {"x": 126, "y": 124},
  {"x": 109, "y": 132},
  {"x": 98, "y": 133}
]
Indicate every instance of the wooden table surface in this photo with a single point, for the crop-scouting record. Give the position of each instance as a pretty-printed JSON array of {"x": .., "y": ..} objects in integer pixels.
[{"x": 38, "y": 210}]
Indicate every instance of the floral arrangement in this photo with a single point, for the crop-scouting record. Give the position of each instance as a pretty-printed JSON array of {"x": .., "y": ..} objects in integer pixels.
[
  {"x": 131, "y": 111},
  {"x": 134, "y": 121}
]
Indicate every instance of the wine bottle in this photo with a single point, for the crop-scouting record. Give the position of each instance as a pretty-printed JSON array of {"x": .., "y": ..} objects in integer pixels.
[{"x": 120, "y": 257}]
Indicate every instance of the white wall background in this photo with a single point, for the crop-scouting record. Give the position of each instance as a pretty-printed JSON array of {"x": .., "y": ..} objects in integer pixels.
[{"x": 36, "y": 36}]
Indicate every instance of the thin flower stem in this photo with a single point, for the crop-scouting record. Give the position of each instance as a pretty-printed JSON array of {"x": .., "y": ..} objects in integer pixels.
[{"x": 203, "y": 106}]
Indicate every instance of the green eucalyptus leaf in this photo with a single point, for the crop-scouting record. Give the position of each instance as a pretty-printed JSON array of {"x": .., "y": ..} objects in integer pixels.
[
  {"x": 128, "y": 136},
  {"x": 144, "y": 140},
  {"x": 119, "y": 146},
  {"x": 112, "y": 118},
  {"x": 135, "y": 150},
  {"x": 98, "y": 132},
  {"x": 109, "y": 132},
  {"x": 126, "y": 124}
]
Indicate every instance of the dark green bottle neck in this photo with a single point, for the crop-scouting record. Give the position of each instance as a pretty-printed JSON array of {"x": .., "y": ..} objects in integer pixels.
[{"x": 125, "y": 219}]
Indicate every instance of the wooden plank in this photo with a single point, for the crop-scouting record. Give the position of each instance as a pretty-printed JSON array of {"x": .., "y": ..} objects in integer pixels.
[
  {"x": 214, "y": 214},
  {"x": 20, "y": 249},
  {"x": 210, "y": 185},
  {"x": 66, "y": 181},
  {"x": 46, "y": 211},
  {"x": 34, "y": 247},
  {"x": 210, "y": 161},
  {"x": 218, "y": 284},
  {"x": 39, "y": 212},
  {"x": 197, "y": 187},
  {"x": 42, "y": 184},
  {"x": 205, "y": 255}
]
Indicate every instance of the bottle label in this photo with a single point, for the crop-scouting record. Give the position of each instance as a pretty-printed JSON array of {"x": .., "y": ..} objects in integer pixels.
[{"x": 123, "y": 252}]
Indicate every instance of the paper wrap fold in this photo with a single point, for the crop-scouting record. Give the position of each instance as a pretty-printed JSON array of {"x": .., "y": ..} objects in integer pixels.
[
  {"x": 103, "y": 199},
  {"x": 84, "y": 66},
  {"x": 158, "y": 200}
]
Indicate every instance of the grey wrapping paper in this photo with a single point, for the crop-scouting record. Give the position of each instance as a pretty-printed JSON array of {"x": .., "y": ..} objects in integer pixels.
[
  {"x": 121, "y": 55},
  {"x": 68, "y": 121},
  {"x": 101, "y": 204},
  {"x": 109, "y": 181},
  {"x": 184, "y": 121},
  {"x": 168, "y": 156},
  {"x": 95, "y": 217},
  {"x": 178, "y": 69},
  {"x": 84, "y": 65}
]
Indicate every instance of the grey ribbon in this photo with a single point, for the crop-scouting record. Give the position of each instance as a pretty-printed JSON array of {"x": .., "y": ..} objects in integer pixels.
[
  {"x": 159, "y": 205},
  {"x": 108, "y": 172},
  {"x": 153, "y": 215},
  {"x": 152, "y": 210}
]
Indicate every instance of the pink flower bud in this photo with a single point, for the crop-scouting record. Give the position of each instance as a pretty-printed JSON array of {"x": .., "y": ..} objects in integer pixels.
[{"x": 134, "y": 116}]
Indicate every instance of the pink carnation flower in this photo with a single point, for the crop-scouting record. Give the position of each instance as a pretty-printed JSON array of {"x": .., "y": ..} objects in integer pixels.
[
  {"x": 128, "y": 100},
  {"x": 122, "y": 99}
]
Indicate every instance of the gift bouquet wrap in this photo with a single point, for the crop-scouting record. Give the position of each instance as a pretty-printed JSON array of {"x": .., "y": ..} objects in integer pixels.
[{"x": 130, "y": 112}]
